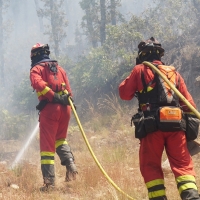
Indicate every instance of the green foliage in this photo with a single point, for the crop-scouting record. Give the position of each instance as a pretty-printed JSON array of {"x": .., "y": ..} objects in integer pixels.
[
  {"x": 94, "y": 71},
  {"x": 13, "y": 126},
  {"x": 123, "y": 39},
  {"x": 67, "y": 63},
  {"x": 169, "y": 19},
  {"x": 101, "y": 71},
  {"x": 105, "y": 66},
  {"x": 93, "y": 19},
  {"x": 24, "y": 99},
  {"x": 18, "y": 114}
]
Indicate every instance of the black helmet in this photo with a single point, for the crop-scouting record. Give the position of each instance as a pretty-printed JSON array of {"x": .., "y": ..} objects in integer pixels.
[{"x": 149, "y": 50}]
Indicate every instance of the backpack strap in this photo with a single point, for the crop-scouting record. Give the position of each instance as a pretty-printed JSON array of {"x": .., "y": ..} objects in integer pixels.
[{"x": 145, "y": 86}]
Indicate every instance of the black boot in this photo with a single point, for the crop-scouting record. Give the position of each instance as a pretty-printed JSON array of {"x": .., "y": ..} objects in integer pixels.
[
  {"x": 48, "y": 177},
  {"x": 71, "y": 170},
  {"x": 190, "y": 194},
  {"x": 48, "y": 186}
]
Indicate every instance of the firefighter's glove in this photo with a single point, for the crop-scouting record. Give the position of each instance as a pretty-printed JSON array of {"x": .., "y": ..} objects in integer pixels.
[{"x": 61, "y": 99}]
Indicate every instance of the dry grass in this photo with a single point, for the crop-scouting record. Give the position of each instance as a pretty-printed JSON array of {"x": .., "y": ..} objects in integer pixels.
[{"x": 116, "y": 149}]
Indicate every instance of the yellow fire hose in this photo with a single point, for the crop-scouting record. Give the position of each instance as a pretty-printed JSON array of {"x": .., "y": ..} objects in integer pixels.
[{"x": 93, "y": 155}]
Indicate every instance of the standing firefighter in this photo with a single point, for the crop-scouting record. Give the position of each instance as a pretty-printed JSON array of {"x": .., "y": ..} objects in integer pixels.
[
  {"x": 53, "y": 90},
  {"x": 159, "y": 122}
]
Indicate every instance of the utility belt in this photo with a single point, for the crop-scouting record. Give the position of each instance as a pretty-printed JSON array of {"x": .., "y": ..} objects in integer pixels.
[{"x": 166, "y": 119}]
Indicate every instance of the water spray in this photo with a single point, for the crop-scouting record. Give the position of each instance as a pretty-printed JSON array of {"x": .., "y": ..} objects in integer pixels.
[{"x": 22, "y": 151}]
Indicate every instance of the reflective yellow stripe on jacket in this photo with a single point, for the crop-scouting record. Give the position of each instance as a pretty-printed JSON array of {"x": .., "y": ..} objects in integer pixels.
[
  {"x": 46, "y": 89},
  {"x": 43, "y": 92}
]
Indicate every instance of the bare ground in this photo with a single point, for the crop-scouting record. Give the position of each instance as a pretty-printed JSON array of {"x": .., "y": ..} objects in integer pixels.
[{"x": 117, "y": 151}]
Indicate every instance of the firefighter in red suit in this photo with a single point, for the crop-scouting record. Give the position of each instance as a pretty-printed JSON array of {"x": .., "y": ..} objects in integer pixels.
[
  {"x": 153, "y": 144},
  {"x": 53, "y": 90}
]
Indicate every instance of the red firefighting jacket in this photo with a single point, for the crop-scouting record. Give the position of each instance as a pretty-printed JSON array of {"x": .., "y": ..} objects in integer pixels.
[
  {"x": 47, "y": 82},
  {"x": 133, "y": 83}
]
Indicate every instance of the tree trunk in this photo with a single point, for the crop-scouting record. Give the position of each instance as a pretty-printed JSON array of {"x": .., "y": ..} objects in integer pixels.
[
  {"x": 113, "y": 12},
  {"x": 103, "y": 21},
  {"x": 2, "y": 79},
  {"x": 40, "y": 17},
  {"x": 91, "y": 28},
  {"x": 53, "y": 27}
]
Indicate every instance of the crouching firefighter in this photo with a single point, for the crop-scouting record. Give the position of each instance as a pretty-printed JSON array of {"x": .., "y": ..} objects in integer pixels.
[
  {"x": 53, "y": 90},
  {"x": 160, "y": 123}
]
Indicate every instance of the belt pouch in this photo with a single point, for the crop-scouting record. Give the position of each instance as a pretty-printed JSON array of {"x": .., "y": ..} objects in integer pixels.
[
  {"x": 138, "y": 121},
  {"x": 171, "y": 118},
  {"x": 192, "y": 127},
  {"x": 150, "y": 125}
]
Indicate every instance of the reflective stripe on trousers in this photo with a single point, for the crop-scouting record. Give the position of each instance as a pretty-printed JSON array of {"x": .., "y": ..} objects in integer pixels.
[
  {"x": 187, "y": 187},
  {"x": 47, "y": 167},
  {"x": 156, "y": 189}
]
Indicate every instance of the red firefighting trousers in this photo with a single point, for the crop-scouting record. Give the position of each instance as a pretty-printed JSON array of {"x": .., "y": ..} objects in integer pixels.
[
  {"x": 54, "y": 120},
  {"x": 151, "y": 150}
]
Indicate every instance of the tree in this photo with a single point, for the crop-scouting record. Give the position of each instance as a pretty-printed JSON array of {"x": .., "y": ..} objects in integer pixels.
[
  {"x": 89, "y": 20},
  {"x": 111, "y": 62},
  {"x": 4, "y": 34},
  {"x": 98, "y": 14},
  {"x": 113, "y": 12},
  {"x": 103, "y": 21},
  {"x": 1, "y": 44},
  {"x": 56, "y": 29},
  {"x": 39, "y": 16}
]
